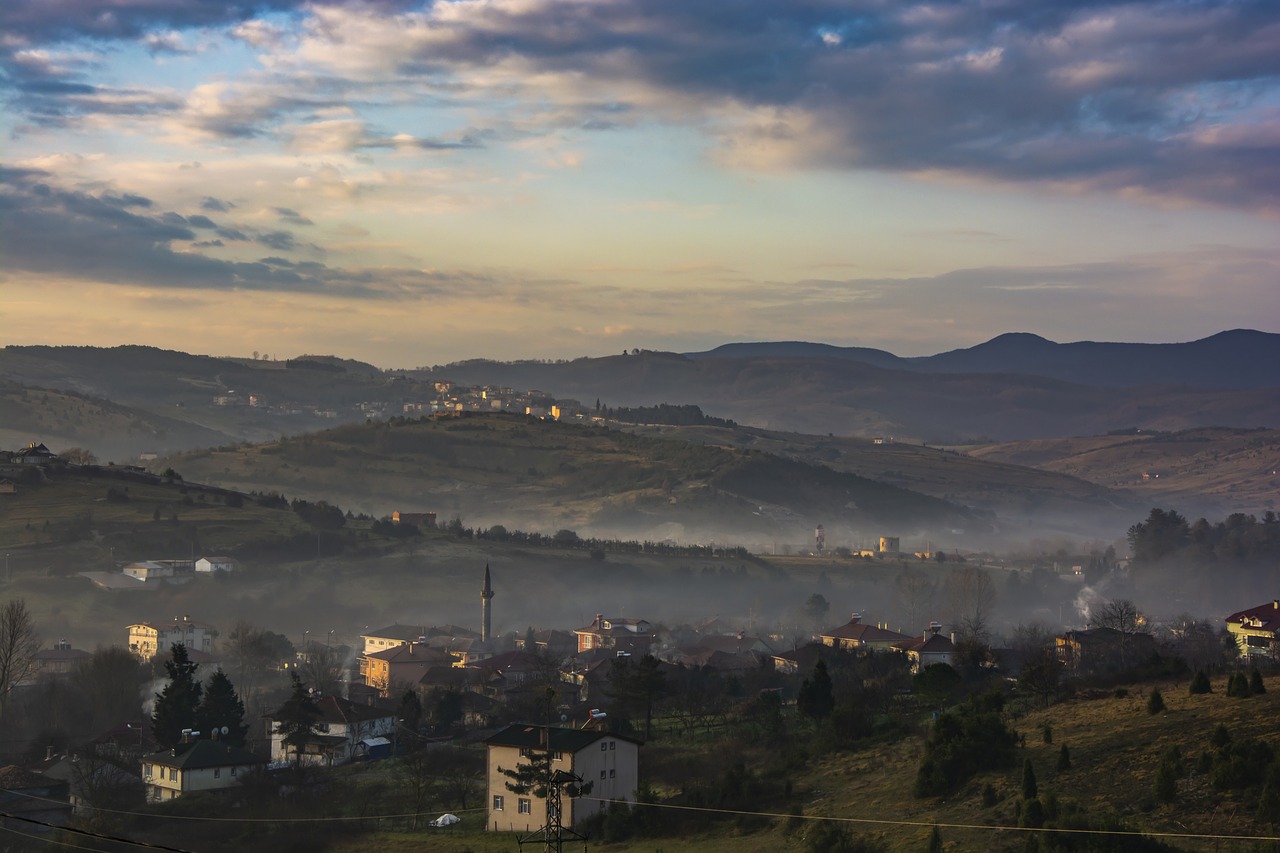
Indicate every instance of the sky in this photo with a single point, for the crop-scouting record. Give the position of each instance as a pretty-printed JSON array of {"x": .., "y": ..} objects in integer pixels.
[{"x": 418, "y": 183}]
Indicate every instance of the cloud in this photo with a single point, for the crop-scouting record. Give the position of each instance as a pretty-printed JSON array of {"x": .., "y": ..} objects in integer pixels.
[
  {"x": 115, "y": 243},
  {"x": 292, "y": 216},
  {"x": 1162, "y": 99}
]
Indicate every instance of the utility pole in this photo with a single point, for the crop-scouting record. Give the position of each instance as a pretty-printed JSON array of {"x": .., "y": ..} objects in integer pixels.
[{"x": 553, "y": 834}]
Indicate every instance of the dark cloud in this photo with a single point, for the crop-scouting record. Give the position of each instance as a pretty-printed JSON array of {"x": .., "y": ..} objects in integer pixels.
[
  {"x": 234, "y": 235},
  {"x": 1162, "y": 97},
  {"x": 292, "y": 216},
  {"x": 57, "y": 20},
  {"x": 201, "y": 221},
  {"x": 281, "y": 241},
  {"x": 53, "y": 91},
  {"x": 215, "y": 204},
  {"x": 39, "y": 220},
  {"x": 208, "y": 244}
]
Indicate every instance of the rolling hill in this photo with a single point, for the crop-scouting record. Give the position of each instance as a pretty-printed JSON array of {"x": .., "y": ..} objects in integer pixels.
[
  {"x": 1209, "y": 472},
  {"x": 1016, "y": 493},
  {"x": 542, "y": 475}
]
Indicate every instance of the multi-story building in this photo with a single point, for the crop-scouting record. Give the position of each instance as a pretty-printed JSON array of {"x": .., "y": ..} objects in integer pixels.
[
  {"x": 610, "y": 762},
  {"x": 148, "y": 639},
  {"x": 623, "y": 635},
  {"x": 201, "y": 765}
]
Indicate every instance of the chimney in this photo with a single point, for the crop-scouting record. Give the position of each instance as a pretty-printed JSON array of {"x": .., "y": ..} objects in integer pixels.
[
  {"x": 48, "y": 753},
  {"x": 855, "y": 618},
  {"x": 599, "y": 620}
]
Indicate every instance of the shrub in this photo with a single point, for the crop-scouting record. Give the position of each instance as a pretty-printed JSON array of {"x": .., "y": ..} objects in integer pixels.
[
  {"x": 1255, "y": 683},
  {"x": 1029, "y": 787},
  {"x": 1200, "y": 683},
  {"x": 1032, "y": 814},
  {"x": 965, "y": 740},
  {"x": 1046, "y": 733},
  {"x": 1064, "y": 759},
  {"x": 1166, "y": 784},
  {"x": 1155, "y": 702},
  {"x": 1238, "y": 686},
  {"x": 1221, "y": 736}
]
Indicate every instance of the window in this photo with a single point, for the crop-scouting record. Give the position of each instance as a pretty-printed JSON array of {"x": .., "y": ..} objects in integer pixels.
[
  {"x": 497, "y": 802},
  {"x": 233, "y": 771},
  {"x": 148, "y": 770},
  {"x": 612, "y": 744},
  {"x": 611, "y": 773},
  {"x": 524, "y": 806},
  {"x": 603, "y": 746},
  {"x": 217, "y": 772},
  {"x": 601, "y": 774}
]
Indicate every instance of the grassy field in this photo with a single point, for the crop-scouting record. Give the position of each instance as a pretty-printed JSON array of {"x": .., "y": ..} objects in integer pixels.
[
  {"x": 1213, "y": 470},
  {"x": 1114, "y": 746}
]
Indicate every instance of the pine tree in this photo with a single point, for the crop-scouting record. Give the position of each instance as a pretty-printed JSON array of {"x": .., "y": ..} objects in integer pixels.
[
  {"x": 176, "y": 705},
  {"x": 816, "y": 698},
  {"x": 1155, "y": 702},
  {"x": 1200, "y": 683},
  {"x": 1029, "y": 788},
  {"x": 222, "y": 708},
  {"x": 1064, "y": 759},
  {"x": 1255, "y": 683}
]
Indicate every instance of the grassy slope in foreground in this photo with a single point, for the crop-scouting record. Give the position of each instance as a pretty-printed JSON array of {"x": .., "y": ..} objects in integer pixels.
[{"x": 1115, "y": 748}]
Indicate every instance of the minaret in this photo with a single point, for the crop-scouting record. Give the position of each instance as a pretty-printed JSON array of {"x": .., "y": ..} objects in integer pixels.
[{"x": 486, "y": 615}]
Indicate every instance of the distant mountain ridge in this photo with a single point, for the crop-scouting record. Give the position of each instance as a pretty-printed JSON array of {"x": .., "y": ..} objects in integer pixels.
[{"x": 1236, "y": 359}]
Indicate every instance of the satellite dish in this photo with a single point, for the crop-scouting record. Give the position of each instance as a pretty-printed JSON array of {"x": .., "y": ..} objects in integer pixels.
[
  {"x": 564, "y": 717},
  {"x": 226, "y": 730}
]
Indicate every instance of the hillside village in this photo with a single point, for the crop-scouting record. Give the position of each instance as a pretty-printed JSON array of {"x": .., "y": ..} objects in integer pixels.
[{"x": 587, "y": 693}]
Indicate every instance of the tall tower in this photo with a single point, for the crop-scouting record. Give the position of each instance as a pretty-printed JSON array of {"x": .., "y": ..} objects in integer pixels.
[{"x": 486, "y": 614}]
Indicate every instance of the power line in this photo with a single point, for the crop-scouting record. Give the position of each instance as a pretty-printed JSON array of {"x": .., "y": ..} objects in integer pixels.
[
  {"x": 921, "y": 824},
  {"x": 241, "y": 819},
  {"x": 90, "y": 834}
]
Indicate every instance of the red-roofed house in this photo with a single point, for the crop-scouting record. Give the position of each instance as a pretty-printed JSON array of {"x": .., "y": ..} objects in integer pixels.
[
  {"x": 854, "y": 634},
  {"x": 623, "y": 635},
  {"x": 1255, "y": 630}
]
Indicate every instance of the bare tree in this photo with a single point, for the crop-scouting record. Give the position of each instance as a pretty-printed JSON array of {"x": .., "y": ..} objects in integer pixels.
[
  {"x": 1122, "y": 616},
  {"x": 18, "y": 645},
  {"x": 1036, "y": 648},
  {"x": 323, "y": 667},
  {"x": 972, "y": 596},
  {"x": 914, "y": 592}
]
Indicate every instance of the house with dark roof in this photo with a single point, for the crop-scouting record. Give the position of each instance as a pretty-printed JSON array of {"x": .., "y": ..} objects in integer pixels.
[
  {"x": 1103, "y": 649},
  {"x": 1256, "y": 630},
  {"x": 610, "y": 762},
  {"x": 201, "y": 765},
  {"x": 35, "y": 796},
  {"x": 59, "y": 660},
  {"x": 343, "y": 731},
  {"x": 36, "y": 454},
  {"x": 856, "y": 635},
  {"x": 930, "y": 648}
]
